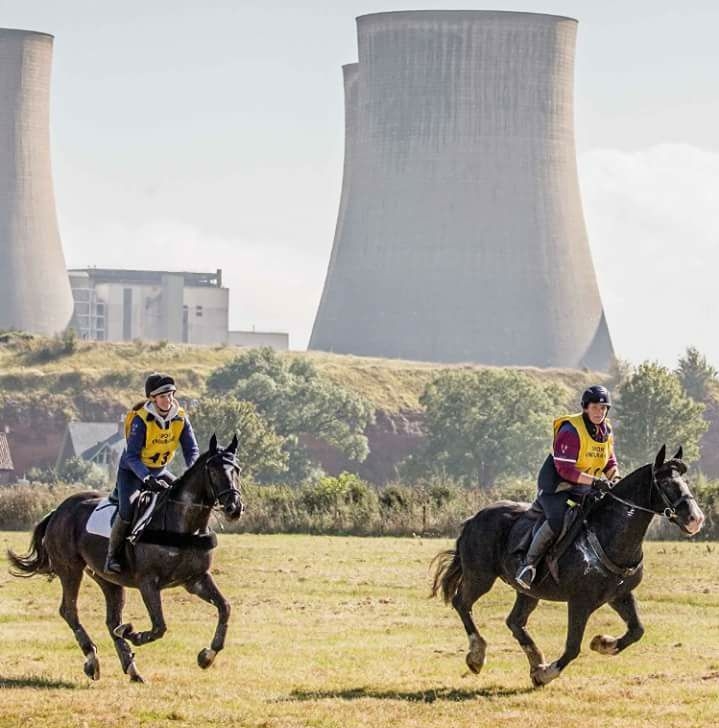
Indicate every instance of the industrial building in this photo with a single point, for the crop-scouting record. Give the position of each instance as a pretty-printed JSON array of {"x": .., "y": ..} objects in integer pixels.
[
  {"x": 34, "y": 291},
  {"x": 460, "y": 235},
  {"x": 192, "y": 308}
]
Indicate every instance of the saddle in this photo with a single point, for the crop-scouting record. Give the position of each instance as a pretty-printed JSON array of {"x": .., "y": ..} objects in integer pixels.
[{"x": 571, "y": 526}]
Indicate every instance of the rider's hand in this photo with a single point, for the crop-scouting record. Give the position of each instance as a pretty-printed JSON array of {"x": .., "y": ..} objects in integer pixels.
[
  {"x": 615, "y": 479},
  {"x": 601, "y": 484},
  {"x": 155, "y": 484}
]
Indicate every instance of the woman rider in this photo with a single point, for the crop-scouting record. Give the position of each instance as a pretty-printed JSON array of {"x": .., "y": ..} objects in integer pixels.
[
  {"x": 582, "y": 458},
  {"x": 154, "y": 429}
]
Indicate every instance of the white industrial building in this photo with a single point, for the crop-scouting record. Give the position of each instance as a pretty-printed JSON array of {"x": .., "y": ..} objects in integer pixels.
[{"x": 192, "y": 308}]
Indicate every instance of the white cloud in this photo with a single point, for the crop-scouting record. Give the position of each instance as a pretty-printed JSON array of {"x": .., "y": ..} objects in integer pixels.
[{"x": 653, "y": 223}]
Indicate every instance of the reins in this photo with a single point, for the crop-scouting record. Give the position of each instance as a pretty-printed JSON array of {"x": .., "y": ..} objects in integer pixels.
[{"x": 670, "y": 512}]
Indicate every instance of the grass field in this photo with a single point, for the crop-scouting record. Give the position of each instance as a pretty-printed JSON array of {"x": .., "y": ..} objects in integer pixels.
[{"x": 338, "y": 632}]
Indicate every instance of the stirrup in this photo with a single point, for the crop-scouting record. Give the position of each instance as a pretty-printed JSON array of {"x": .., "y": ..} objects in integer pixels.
[{"x": 526, "y": 575}]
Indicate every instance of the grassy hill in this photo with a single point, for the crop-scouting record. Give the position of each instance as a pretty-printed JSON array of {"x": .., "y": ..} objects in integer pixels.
[{"x": 75, "y": 379}]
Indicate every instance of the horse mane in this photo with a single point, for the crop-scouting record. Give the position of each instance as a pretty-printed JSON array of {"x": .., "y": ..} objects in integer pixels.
[{"x": 190, "y": 472}]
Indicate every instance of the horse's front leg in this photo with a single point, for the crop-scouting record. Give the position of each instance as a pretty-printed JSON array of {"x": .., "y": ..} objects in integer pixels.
[
  {"x": 626, "y": 608},
  {"x": 578, "y": 615},
  {"x": 206, "y": 589},
  {"x": 153, "y": 602}
]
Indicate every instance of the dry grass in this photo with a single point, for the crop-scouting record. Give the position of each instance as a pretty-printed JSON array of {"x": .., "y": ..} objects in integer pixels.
[
  {"x": 116, "y": 371},
  {"x": 330, "y": 631}
]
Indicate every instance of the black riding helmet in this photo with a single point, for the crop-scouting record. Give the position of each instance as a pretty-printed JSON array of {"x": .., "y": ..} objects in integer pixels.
[
  {"x": 597, "y": 394},
  {"x": 158, "y": 383}
]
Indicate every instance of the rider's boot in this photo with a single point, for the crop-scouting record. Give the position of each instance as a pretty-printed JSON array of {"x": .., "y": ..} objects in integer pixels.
[
  {"x": 541, "y": 542},
  {"x": 120, "y": 530}
]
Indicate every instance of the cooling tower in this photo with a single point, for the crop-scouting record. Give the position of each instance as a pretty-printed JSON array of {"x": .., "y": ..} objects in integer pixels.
[
  {"x": 34, "y": 287},
  {"x": 460, "y": 234}
]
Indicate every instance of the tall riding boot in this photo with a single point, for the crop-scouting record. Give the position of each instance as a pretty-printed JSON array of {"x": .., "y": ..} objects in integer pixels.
[
  {"x": 120, "y": 531},
  {"x": 541, "y": 542}
]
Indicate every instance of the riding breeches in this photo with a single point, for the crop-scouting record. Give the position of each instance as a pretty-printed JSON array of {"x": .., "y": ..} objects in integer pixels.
[{"x": 555, "y": 506}]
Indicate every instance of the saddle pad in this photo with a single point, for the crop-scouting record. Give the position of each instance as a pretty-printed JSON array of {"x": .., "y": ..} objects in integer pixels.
[{"x": 100, "y": 521}]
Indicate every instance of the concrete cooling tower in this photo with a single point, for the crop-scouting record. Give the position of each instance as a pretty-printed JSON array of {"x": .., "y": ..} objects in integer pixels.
[
  {"x": 34, "y": 287},
  {"x": 460, "y": 234}
]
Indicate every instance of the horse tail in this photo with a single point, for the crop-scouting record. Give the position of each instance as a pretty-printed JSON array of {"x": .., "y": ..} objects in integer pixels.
[
  {"x": 36, "y": 560},
  {"x": 447, "y": 574}
]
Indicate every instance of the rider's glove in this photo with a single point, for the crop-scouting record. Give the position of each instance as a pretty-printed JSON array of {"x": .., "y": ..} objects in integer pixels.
[
  {"x": 154, "y": 484},
  {"x": 601, "y": 484}
]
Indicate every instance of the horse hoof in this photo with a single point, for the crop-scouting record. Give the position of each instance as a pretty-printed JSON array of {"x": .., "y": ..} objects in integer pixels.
[
  {"x": 122, "y": 630},
  {"x": 134, "y": 674},
  {"x": 604, "y": 645},
  {"x": 206, "y": 657},
  {"x": 92, "y": 668},
  {"x": 544, "y": 674},
  {"x": 475, "y": 662}
]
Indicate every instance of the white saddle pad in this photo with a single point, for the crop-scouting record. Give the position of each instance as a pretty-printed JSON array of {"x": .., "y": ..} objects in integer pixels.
[{"x": 100, "y": 521}]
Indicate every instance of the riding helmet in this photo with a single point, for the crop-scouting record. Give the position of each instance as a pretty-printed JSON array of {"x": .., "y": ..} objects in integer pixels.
[
  {"x": 598, "y": 394},
  {"x": 158, "y": 383}
]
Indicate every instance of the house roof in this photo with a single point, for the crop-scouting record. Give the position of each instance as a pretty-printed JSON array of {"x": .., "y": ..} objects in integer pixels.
[
  {"x": 6, "y": 462},
  {"x": 90, "y": 436},
  {"x": 115, "y": 442}
]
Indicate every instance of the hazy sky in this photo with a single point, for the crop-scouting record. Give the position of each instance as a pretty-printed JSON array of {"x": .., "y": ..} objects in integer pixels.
[{"x": 203, "y": 135}]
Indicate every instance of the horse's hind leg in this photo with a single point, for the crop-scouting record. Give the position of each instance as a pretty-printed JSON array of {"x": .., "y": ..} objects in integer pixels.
[
  {"x": 114, "y": 604},
  {"x": 626, "y": 608},
  {"x": 70, "y": 580},
  {"x": 517, "y": 622},
  {"x": 206, "y": 589},
  {"x": 472, "y": 587}
]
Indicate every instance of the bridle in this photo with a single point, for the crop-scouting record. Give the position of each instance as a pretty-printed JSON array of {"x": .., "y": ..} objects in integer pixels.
[
  {"x": 227, "y": 459},
  {"x": 670, "y": 510}
]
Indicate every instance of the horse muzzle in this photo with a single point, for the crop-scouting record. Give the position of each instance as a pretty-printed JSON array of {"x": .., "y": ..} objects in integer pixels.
[
  {"x": 234, "y": 509},
  {"x": 693, "y": 522}
]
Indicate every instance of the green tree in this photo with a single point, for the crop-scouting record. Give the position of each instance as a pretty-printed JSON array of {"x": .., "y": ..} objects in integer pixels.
[
  {"x": 298, "y": 402},
  {"x": 654, "y": 409},
  {"x": 489, "y": 423},
  {"x": 696, "y": 374},
  {"x": 78, "y": 470},
  {"x": 260, "y": 449}
]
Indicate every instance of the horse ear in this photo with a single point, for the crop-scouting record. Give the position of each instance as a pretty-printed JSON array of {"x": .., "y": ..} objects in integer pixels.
[
  {"x": 233, "y": 444},
  {"x": 213, "y": 444},
  {"x": 659, "y": 460},
  {"x": 679, "y": 453}
]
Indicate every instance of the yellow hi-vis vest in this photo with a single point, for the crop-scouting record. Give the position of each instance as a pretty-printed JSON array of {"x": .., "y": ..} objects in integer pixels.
[
  {"x": 160, "y": 443},
  {"x": 593, "y": 456}
]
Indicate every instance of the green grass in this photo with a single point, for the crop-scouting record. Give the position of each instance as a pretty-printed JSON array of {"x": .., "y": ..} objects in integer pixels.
[{"x": 331, "y": 631}]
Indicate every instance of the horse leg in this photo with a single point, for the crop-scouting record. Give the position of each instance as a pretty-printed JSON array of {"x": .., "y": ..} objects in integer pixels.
[
  {"x": 472, "y": 587},
  {"x": 524, "y": 605},
  {"x": 206, "y": 589},
  {"x": 70, "y": 581},
  {"x": 153, "y": 602},
  {"x": 114, "y": 604},
  {"x": 626, "y": 608},
  {"x": 578, "y": 616}
]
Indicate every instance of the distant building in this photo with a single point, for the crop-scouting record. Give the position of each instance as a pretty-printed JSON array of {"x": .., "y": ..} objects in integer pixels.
[
  {"x": 190, "y": 308},
  {"x": 7, "y": 468},
  {"x": 122, "y": 305},
  {"x": 275, "y": 340},
  {"x": 101, "y": 443}
]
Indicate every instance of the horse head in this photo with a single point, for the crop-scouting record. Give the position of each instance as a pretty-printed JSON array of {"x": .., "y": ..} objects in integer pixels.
[
  {"x": 671, "y": 494},
  {"x": 223, "y": 473}
]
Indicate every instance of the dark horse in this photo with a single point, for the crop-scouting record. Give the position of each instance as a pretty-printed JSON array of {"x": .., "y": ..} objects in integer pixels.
[
  {"x": 602, "y": 566},
  {"x": 61, "y": 546}
]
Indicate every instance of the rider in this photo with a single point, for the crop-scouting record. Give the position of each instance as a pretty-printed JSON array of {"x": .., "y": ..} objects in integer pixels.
[
  {"x": 582, "y": 458},
  {"x": 154, "y": 429}
]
